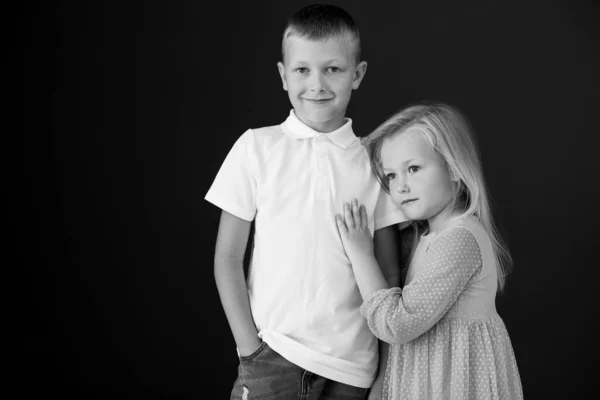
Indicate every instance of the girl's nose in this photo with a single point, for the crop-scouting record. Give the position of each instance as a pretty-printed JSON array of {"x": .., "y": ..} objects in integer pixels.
[{"x": 402, "y": 187}]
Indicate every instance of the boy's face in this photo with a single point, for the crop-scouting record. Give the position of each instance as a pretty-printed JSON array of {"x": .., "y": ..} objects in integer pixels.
[
  {"x": 319, "y": 76},
  {"x": 419, "y": 180}
]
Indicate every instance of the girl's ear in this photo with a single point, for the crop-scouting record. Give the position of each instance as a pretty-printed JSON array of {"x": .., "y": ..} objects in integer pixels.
[
  {"x": 456, "y": 183},
  {"x": 454, "y": 174}
]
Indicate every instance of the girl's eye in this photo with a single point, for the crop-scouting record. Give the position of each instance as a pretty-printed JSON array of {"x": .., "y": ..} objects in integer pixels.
[
  {"x": 413, "y": 168},
  {"x": 391, "y": 176}
]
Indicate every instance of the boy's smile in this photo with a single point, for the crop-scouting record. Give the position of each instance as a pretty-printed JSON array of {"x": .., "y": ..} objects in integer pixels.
[{"x": 319, "y": 76}]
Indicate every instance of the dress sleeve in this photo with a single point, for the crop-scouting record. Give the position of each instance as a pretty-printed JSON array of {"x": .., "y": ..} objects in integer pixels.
[
  {"x": 234, "y": 187},
  {"x": 398, "y": 316}
]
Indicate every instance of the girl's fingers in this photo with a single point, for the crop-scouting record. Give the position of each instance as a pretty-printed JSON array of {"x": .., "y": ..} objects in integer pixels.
[
  {"x": 356, "y": 213},
  {"x": 348, "y": 216},
  {"x": 340, "y": 223},
  {"x": 363, "y": 217}
]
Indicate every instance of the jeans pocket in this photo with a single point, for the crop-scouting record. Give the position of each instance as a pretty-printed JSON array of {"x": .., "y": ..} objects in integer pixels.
[{"x": 256, "y": 353}]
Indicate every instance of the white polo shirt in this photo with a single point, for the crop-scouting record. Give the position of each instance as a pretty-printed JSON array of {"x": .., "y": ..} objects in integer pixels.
[{"x": 292, "y": 180}]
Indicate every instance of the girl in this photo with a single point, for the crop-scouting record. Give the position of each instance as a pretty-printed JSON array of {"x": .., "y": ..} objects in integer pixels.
[{"x": 447, "y": 340}]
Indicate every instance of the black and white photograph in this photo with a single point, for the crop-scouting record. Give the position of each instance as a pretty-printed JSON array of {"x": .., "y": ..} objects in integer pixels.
[{"x": 281, "y": 200}]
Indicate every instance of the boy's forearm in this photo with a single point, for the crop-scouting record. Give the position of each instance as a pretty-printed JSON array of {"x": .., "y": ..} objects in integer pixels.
[
  {"x": 388, "y": 260},
  {"x": 231, "y": 284},
  {"x": 386, "y": 242},
  {"x": 384, "y": 349}
]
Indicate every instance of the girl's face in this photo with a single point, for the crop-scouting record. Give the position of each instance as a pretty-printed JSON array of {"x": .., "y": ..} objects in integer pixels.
[{"x": 418, "y": 177}]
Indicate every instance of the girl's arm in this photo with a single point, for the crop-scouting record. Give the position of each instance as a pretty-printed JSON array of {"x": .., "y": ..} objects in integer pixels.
[
  {"x": 399, "y": 316},
  {"x": 232, "y": 239},
  {"x": 360, "y": 249},
  {"x": 380, "y": 266}
]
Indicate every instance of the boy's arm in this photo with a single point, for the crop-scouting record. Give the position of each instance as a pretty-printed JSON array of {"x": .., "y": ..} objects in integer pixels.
[
  {"x": 231, "y": 244},
  {"x": 385, "y": 242}
]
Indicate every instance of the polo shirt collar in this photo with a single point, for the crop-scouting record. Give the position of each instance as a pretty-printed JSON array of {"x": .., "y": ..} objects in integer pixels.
[{"x": 297, "y": 129}]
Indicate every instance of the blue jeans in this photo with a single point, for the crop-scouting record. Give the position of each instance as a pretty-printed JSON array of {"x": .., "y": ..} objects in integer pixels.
[{"x": 266, "y": 375}]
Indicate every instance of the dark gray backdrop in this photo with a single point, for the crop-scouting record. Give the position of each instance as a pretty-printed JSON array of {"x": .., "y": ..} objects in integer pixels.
[{"x": 147, "y": 99}]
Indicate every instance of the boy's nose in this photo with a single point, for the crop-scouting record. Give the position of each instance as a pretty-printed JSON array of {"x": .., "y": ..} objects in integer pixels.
[{"x": 316, "y": 83}]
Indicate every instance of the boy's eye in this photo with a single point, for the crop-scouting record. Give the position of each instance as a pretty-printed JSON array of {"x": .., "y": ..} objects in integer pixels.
[
  {"x": 413, "y": 168},
  {"x": 302, "y": 70},
  {"x": 333, "y": 69},
  {"x": 391, "y": 176}
]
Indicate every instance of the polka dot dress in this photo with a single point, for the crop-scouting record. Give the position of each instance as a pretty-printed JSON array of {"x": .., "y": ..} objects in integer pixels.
[{"x": 447, "y": 340}]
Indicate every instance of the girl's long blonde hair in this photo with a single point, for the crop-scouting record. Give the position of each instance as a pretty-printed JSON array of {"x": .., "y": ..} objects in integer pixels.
[{"x": 450, "y": 134}]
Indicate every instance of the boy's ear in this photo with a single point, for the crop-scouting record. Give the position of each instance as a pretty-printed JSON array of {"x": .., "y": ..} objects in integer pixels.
[
  {"x": 281, "y": 69},
  {"x": 359, "y": 74}
]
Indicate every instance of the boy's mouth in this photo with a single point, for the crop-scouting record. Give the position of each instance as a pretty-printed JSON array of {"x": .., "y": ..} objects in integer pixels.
[{"x": 317, "y": 101}]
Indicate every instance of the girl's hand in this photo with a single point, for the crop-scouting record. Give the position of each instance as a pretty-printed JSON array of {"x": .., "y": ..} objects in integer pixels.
[{"x": 354, "y": 231}]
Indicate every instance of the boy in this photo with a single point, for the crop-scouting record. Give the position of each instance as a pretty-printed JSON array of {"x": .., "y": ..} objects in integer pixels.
[{"x": 296, "y": 322}]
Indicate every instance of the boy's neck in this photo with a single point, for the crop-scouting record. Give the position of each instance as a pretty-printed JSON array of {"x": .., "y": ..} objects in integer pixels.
[{"x": 325, "y": 126}]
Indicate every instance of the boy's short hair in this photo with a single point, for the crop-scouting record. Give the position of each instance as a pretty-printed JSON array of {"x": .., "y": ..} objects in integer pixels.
[{"x": 322, "y": 21}]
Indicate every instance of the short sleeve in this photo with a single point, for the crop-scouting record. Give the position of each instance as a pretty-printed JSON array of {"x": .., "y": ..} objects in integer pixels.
[
  {"x": 399, "y": 316},
  {"x": 386, "y": 212},
  {"x": 234, "y": 187}
]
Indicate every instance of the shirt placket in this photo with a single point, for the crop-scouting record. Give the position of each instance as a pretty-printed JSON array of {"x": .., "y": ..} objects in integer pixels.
[{"x": 322, "y": 186}]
